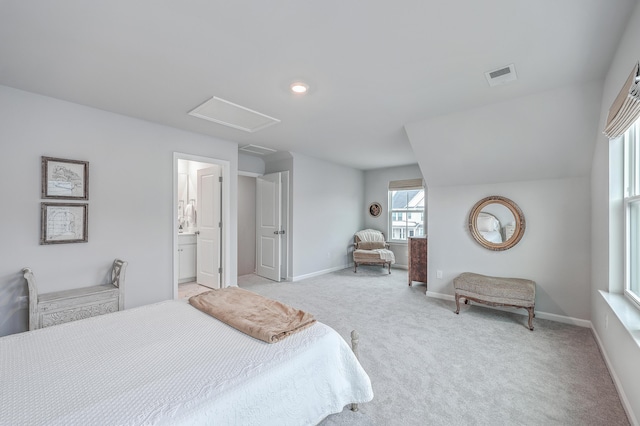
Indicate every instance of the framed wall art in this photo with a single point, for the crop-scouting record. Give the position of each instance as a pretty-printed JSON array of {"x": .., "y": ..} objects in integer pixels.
[
  {"x": 63, "y": 223},
  {"x": 65, "y": 179},
  {"x": 375, "y": 209}
]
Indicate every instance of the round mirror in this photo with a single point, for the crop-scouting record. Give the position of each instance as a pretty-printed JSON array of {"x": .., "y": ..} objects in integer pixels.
[{"x": 496, "y": 223}]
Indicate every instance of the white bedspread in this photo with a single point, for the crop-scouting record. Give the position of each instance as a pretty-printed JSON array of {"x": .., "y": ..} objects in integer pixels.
[
  {"x": 169, "y": 363},
  {"x": 492, "y": 236}
]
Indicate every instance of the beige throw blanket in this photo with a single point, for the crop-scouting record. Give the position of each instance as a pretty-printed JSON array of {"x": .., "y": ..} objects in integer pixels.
[{"x": 255, "y": 315}]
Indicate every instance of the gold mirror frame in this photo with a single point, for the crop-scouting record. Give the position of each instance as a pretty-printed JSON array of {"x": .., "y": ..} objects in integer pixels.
[{"x": 520, "y": 223}]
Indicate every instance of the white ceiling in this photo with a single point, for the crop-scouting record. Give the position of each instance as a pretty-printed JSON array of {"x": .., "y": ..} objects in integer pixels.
[{"x": 372, "y": 66}]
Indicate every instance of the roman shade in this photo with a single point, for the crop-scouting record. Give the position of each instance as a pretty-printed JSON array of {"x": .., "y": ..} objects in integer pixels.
[
  {"x": 625, "y": 109},
  {"x": 400, "y": 185}
]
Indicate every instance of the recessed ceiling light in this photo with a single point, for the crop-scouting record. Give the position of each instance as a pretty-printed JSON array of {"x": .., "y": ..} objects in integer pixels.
[{"x": 299, "y": 87}]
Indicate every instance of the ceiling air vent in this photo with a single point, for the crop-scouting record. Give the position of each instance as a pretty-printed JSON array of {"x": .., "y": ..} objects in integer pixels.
[
  {"x": 501, "y": 75},
  {"x": 229, "y": 114}
]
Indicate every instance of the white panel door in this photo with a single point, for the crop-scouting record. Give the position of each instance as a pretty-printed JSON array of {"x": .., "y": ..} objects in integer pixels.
[
  {"x": 268, "y": 225},
  {"x": 209, "y": 227}
]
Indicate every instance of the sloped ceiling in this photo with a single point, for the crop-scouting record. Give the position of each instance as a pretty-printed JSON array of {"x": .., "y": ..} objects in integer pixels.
[
  {"x": 546, "y": 135},
  {"x": 372, "y": 67}
]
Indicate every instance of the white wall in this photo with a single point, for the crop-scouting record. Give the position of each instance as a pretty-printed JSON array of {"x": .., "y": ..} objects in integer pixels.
[
  {"x": 621, "y": 349},
  {"x": 251, "y": 164},
  {"x": 130, "y": 199},
  {"x": 327, "y": 205},
  {"x": 554, "y": 250},
  {"x": 376, "y": 188}
]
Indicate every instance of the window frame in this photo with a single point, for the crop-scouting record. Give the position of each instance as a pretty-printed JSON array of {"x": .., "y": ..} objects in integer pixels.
[
  {"x": 631, "y": 194},
  {"x": 405, "y": 212}
]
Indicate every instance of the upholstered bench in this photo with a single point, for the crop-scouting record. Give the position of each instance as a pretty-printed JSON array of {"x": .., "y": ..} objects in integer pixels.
[{"x": 496, "y": 291}]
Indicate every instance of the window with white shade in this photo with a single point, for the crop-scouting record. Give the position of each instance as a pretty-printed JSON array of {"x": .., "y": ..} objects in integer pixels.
[
  {"x": 632, "y": 211},
  {"x": 406, "y": 209}
]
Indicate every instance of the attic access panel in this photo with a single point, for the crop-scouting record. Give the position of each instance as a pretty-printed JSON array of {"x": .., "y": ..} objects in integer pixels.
[{"x": 233, "y": 115}]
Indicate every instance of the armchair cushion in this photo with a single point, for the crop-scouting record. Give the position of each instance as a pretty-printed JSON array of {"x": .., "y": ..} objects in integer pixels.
[{"x": 371, "y": 245}]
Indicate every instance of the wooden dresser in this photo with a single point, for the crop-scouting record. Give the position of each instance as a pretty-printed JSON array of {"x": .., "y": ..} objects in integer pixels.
[{"x": 417, "y": 259}]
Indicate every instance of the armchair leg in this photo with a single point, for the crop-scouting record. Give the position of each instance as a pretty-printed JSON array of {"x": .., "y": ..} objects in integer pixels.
[{"x": 355, "y": 267}]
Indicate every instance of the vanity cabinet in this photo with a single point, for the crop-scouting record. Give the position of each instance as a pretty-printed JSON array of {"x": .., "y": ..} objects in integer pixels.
[
  {"x": 417, "y": 259},
  {"x": 187, "y": 247}
]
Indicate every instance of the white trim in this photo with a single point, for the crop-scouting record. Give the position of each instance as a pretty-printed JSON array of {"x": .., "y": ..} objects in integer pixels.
[
  {"x": 249, "y": 174},
  {"x": 631, "y": 196},
  {"x": 440, "y": 296},
  {"x": 318, "y": 273}
]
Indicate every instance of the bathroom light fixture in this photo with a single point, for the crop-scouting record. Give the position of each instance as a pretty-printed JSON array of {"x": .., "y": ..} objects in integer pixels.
[{"x": 299, "y": 87}]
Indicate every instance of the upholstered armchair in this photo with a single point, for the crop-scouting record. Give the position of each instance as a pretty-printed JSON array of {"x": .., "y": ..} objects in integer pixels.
[{"x": 370, "y": 248}]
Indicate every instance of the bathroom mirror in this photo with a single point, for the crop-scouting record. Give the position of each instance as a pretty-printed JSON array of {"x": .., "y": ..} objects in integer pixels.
[
  {"x": 183, "y": 197},
  {"x": 496, "y": 223}
]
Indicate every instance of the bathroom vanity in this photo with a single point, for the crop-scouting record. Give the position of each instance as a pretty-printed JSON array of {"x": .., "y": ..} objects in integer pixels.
[{"x": 187, "y": 257}]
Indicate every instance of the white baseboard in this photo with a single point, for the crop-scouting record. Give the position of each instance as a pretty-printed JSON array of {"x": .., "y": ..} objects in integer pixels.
[
  {"x": 540, "y": 315},
  {"x": 336, "y": 268},
  {"x": 616, "y": 381},
  {"x": 318, "y": 273}
]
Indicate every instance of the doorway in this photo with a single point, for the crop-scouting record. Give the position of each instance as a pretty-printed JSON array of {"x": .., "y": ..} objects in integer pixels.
[{"x": 201, "y": 239}]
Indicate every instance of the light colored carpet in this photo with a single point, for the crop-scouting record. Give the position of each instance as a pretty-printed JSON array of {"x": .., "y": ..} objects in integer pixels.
[
  {"x": 429, "y": 366},
  {"x": 186, "y": 290}
]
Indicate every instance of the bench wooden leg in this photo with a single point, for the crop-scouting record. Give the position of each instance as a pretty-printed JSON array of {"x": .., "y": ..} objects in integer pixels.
[
  {"x": 531, "y": 315},
  {"x": 457, "y": 303}
]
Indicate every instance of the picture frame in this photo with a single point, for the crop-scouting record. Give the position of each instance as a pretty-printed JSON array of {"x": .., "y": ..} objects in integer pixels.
[
  {"x": 63, "y": 223},
  {"x": 375, "y": 209},
  {"x": 65, "y": 179}
]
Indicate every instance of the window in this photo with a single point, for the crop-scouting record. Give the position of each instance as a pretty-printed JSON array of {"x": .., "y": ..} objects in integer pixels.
[
  {"x": 632, "y": 211},
  {"x": 406, "y": 213}
]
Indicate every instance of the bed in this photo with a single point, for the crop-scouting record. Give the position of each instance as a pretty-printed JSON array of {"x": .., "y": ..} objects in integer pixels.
[
  {"x": 489, "y": 227},
  {"x": 169, "y": 363}
]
